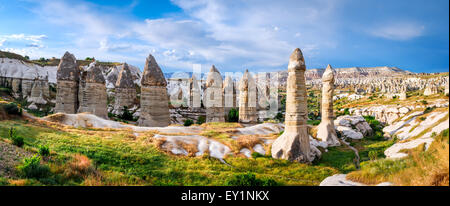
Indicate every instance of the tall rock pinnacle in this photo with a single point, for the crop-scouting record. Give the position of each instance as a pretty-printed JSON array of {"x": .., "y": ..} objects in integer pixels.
[
  {"x": 154, "y": 97},
  {"x": 247, "y": 99},
  {"x": 294, "y": 144},
  {"x": 326, "y": 131},
  {"x": 67, "y": 77},
  {"x": 213, "y": 99}
]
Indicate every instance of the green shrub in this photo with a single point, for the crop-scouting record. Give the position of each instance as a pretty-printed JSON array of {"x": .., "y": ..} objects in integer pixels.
[
  {"x": 188, "y": 122},
  {"x": 346, "y": 111},
  {"x": 279, "y": 117},
  {"x": 5, "y": 90},
  {"x": 201, "y": 120},
  {"x": 373, "y": 155},
  {"x": 250, "y": 179},
  {"x": 32, "y": 168},
  {"x": 233, "y": 115},
  {"x": 12, "y": 108},
  {"x": 11, "y": 132},
  {"x": 18, "y": 141},
  {"x": 44, "y": 150},
  {"x": 126, "y": 115},
  {"x": 3, "y": 182},
  {"x": 428, "y": 109}
]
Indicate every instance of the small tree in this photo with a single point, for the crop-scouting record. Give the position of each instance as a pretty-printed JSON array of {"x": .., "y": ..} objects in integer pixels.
[
  {"x": 188, "y": 122},
  {"x": 126, "y": 115},
  {"x": 233, "y": 115}
]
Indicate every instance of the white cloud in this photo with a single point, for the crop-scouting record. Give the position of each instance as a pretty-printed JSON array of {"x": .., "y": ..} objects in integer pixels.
[
  {"x": 23, "y": 40},
  {"x": 229, "y": 34},
  {"x": 398, "y": 31}
]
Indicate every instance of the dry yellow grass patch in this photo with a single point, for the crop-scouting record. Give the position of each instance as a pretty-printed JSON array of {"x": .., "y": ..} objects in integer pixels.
[
  {"x": 248, "y": 141},
  {"x": 426, "y": 172},
  {"x": 190, "y": 148},
  {"x": 80, "y": 166},
  {"x": 20, "y": 182},
  {"x": 229, "y": 127}
]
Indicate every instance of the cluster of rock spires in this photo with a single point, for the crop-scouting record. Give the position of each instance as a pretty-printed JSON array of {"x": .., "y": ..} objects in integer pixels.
[
  {"x": 83, "y": 90},
  {"x": 390, "y": 86}
]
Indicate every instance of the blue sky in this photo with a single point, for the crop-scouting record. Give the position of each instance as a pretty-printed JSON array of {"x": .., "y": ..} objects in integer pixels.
[{"x": 258, "y": 35}]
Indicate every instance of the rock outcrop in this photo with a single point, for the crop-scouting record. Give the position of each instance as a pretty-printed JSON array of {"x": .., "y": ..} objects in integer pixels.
[
  {"x": 294, "y": 144},
  {"x": 125, "y": 90},
  {"x": 92, "y": 96},
  {"x": 247, "y": 99},
  {"x": 67, "y": 77},
  {"x": 213, "y": 97},
  {"x": 431, "y": 89},
  {"x": 352, "y": 127},
  {"x": 403, "y": 93},
  {"x": 326, "y": 131},
  {"x": 154, "y": 99}
]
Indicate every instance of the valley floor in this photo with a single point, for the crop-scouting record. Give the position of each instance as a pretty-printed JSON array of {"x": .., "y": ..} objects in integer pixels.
[{"x": 118, "y": 157}]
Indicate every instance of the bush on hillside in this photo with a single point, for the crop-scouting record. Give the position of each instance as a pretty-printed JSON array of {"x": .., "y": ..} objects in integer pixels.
[
  {"x": 32, "y": 168},
  {"x": 44, "y": 150},
  {"x": 12, "y": 108}
]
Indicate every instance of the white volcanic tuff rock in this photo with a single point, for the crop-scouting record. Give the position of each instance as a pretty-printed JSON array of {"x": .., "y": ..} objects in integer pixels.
[
  {"x": 326, "y": 131},
  {"x": 213, "y": 98},
  {"x": 261, "y": 129},
  {"x": 215, "y": 148},
  {"x": 125, "y": 91},
  {"x": 348, "y": 132},
  {"x": 419, "y": 126},
  {"x": 389, "y": 113},
  {"x": 409, "y": 127},
  {"x": 346, "y": 124},
  {"x": 392, "y": 129},
  {"x": 154, "y": 97},
  {"x": 247, "y": 99},
  {"x": 92, "y": 96},
  {"x": 18, "y": 69},
  {"x": 111, "y": 74},
  {"x": 68, "y": 75},
  {"x": 294, "y": 144},
  {"x": 393, "y": 152}
]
